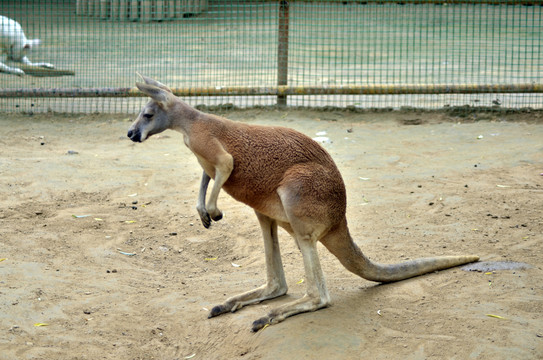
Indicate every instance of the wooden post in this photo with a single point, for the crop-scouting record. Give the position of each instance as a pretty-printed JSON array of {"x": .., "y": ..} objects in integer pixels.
[
  {"x": 114, "y": 10},
  {"x": 146, "y": 9},
  {"x": 90, "y": 7},
  {"x": 82, "y": 7},
  {"x": 123, "y": 10},
  {"x": 282, "y": 50},
  {"x": 103, "y": 9},
  {"x": 183, "y": 4},
  {"x": 134, "y": 16},
  {"x": 171, "y": 9},
  {"x": 159, "y": 10}
]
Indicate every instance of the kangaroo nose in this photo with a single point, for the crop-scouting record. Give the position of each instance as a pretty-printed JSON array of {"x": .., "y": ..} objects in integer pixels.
[{"x": 130, "y": 132}]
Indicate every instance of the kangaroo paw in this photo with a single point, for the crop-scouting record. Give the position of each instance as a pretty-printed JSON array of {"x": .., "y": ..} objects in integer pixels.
[
  {"x": 44, "y": 65},
  {"x": 217, "y": 217},
  {"x": 16, "y": 71},
  {"x": 214, "y": 213},
  {"x": 218, "y": 310},
  {"x": 260, "y": 323},
  {"x": 206, "y": 218}
]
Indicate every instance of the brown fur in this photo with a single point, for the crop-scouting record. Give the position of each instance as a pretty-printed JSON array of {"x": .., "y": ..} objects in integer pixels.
[{"x": 290, "y": 181}]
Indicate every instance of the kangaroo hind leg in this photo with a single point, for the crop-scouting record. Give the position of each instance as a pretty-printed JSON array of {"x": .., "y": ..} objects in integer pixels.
[
  {"x": 276, "y": 284},
  {"x": 316, "y": 296},
  {"x": 306, "y": 230}
]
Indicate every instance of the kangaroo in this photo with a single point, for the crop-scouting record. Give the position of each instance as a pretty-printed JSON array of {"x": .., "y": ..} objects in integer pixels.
[
  {"x": 14, "y": 45},
  {"x": 290, "y": 181}
]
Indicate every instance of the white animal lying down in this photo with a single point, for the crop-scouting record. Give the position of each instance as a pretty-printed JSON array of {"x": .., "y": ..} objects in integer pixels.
[{"x": 14, "y": 46}]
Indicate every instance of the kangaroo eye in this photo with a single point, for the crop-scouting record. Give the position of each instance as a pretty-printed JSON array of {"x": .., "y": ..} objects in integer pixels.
[{"x": 147, "y": 116}]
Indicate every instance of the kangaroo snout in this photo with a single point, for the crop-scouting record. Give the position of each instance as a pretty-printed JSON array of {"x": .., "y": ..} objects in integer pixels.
[{"x": 135, "y": 136}]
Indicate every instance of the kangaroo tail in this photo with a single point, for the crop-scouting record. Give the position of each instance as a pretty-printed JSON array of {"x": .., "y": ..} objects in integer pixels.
[
  {"x": 339, "y": 242},
  {"x": 405, "y": 270}
]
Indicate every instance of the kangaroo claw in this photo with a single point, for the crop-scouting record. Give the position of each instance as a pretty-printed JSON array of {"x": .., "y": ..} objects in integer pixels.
[{"x": 206, "y": 219}]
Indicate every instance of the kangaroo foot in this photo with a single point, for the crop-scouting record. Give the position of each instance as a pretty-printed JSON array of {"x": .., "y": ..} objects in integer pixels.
[
  {"x": 215, "y": 214},
  {"x": 255, "y": 296},
  {"x": 305, "y": 304}
]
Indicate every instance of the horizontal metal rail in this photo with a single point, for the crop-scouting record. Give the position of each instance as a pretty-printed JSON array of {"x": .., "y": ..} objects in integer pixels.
[{"x": 281, "y": 90}]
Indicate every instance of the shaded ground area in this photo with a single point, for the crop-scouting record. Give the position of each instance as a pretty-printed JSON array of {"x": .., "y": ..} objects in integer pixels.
[{"x": 418, "y": 184}]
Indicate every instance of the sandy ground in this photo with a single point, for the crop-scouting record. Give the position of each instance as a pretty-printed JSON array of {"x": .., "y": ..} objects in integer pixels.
[{"x": 418, "y": 184}]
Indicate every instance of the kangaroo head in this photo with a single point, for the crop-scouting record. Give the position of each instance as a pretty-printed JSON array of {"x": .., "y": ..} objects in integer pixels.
[
  {"x": 31, "y": 44},
  {"x": 155, "y": 116},
  {"x": 17, "y": 52}
]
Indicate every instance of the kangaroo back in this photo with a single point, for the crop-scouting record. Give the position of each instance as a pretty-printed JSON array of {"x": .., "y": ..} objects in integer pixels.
[
  {"x": 262, "y": 157},
  {"x": 13, "y": 39}
]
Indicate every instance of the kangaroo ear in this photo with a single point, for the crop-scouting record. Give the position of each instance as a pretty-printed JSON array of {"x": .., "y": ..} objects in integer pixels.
[
  {"x": 153, "y": 82},
  {"x": 161, "y": 96}
]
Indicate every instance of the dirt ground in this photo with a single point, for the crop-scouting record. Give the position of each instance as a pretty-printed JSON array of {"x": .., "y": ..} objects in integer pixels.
[{"x": 418, "y": 184}]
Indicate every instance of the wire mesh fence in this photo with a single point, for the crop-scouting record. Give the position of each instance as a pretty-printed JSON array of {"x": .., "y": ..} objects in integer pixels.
[{"x": 362, "y": 54}]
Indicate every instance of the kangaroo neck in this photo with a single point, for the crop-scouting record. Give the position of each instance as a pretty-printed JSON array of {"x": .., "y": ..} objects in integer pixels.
[{"x": 183, "y": 117}]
